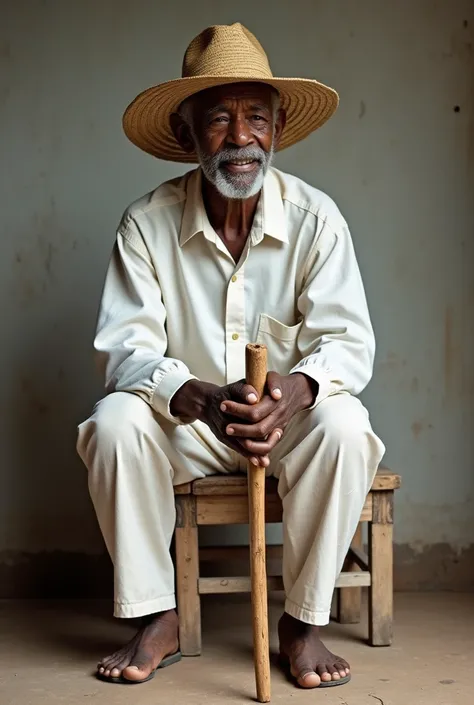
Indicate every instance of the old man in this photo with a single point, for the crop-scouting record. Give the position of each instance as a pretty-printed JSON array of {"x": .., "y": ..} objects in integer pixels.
[{"x": 233, "y": 252}]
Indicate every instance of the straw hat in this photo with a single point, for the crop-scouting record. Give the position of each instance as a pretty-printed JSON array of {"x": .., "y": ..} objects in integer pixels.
[{"x": 219, "y": 55}]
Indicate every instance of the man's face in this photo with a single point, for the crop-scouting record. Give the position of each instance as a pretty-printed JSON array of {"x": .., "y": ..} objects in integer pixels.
[{"x": 235, "y": 129}]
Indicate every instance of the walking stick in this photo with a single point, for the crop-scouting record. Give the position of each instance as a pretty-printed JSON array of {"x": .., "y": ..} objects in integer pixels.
[{"x": 256, "y": 373}]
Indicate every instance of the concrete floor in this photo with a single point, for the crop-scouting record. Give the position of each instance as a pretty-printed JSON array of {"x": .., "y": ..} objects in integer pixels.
[{"x": 48, "y": 649}]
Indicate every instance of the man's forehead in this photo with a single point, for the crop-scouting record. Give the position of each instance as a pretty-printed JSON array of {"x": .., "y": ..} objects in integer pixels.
[{"x": 261, "y": 92}]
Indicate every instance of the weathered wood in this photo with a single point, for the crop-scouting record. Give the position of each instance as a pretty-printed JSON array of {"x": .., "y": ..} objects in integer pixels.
[
  {"x": 230, "y": 485},
  {"x": 237, "y": 484},
  {"x": 256, "y": 375},
  {"x": 216, "y": 554},
  {"x": 275, "y": 582},
  {"x": 382, "y": 507},
  {"x": 349, "y": 599},
  {"x": 187, "y": 576},
  {"x": 185, "y": 488},
  {"x": 381, "y": 567},
  {"x": 215, "y": 510},
  {"x": 359, "y": 557},
  {"x": 366, "y": 514}
]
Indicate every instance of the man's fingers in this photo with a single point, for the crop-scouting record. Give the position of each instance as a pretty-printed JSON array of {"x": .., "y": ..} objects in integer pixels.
[
  {"x": 243, "y": 392},
  {"x": 250, "y": 413},
  {"x": 262, "y": 448},
  {"x": 263, "y": 461},
  {"x": 274, "y": 385},
  {"x": 256, "y": 431}
]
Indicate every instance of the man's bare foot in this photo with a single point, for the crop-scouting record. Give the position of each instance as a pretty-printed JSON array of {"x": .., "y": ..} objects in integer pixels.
[
  {"x": 309, "y": 660},
  {"x": 137, "y": 659}
]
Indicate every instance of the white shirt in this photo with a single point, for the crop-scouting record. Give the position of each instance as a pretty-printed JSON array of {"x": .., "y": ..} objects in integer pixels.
[{"x": 175, "y": 306}]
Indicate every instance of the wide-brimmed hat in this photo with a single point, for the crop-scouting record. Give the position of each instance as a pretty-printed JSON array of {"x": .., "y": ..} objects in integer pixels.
[{"x": 219, "y": 55}]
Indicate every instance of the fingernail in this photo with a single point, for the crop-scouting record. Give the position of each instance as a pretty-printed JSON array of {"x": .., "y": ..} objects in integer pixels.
[
  {"x": 279, "y": 434},
  {"x": 230, "y": 430},
  {"x": 254, "y": 461},
  {"x": 277, "y": 393},
  {"x": 252, "y": 398},
  {"x": 223, "y": 407}
]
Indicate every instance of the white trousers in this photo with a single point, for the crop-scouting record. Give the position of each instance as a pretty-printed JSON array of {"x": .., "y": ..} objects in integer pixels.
[{"x": 325, "y": 464}]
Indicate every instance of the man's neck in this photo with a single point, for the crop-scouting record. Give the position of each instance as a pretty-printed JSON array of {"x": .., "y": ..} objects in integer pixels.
[{"x": 231, "y": 219}]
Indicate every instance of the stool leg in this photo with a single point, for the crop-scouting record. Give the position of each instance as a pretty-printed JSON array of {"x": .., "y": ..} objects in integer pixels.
[
  {"x": 349, "y": 599},
  {"x": 187, "y": 575},
  {"x": 381, "y": 570}
]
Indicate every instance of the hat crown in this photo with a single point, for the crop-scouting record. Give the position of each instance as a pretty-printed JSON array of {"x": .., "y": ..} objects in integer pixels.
[{"x": 227, "y": 51}]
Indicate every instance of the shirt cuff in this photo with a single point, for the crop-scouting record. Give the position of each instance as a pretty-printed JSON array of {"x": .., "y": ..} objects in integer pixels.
[
  {"x": 165, "y": 391},
  {"x": 326, "y": 386}
]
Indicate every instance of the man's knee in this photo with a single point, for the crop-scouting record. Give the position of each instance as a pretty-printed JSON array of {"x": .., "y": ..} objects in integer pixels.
[
  {"x": 115, "y": 419},
  {"x": 345, "y": 426}
]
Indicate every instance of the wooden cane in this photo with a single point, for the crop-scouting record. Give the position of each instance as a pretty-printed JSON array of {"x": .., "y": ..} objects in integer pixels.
[{"x": 256, "y": 374}]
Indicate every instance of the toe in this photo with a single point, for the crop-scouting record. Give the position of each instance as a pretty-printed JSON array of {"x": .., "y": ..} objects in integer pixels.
[
  {"x": 134, "y": 673},
  {"x": 304, "y": 673},
  {"x": 309, "y": 680},
  {"x": 115, "y": 672},
  {"x": 341, "y": 669},
  {"x": 323, "y": 673}
]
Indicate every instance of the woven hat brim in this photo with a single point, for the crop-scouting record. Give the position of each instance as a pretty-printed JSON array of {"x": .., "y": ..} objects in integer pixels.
[{"x": 146, "y": 121}]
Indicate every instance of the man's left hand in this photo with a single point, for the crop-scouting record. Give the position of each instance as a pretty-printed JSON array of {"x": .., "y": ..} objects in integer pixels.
[{"x": 264, "y": 422}]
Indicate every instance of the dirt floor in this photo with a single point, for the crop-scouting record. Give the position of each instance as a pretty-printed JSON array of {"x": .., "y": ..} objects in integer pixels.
[{"x": 48, "y": 651}]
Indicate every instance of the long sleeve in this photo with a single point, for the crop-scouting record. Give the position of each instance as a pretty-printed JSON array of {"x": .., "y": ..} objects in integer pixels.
[
  {"x": 336, "y": 339},
  {"x": 131, "y": 339}
]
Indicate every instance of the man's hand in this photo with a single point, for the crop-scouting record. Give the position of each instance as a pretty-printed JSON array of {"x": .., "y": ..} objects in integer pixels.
[
  {"x": 203, "y": 401},
  {"x": 232, "y": 413},
  {"x": 259, "y": 426}
]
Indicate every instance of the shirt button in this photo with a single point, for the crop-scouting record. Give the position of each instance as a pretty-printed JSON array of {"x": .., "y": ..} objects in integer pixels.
[
  {"x": 234, "y": 278},
  {"x": 235, "y": 336}
]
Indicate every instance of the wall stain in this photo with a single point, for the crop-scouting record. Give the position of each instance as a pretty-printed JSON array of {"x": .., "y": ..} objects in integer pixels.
[
  {"x": 414, "y": 385},
  {"x": 36, "y": 262},
  {"x": 417, "y": 427},
  {"x": 448, "y": 348},
  {"x": 362, "y": 109}
]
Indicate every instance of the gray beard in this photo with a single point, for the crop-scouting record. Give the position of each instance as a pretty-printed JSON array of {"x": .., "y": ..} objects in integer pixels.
[{"x": 235, "y": 186}]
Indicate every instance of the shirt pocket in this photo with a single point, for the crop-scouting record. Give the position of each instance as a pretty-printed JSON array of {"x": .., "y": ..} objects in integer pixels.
[{"x": 281, "y": 343}]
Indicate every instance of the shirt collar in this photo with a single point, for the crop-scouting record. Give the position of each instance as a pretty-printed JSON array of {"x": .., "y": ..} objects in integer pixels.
[{"x": 269, "y": 218}]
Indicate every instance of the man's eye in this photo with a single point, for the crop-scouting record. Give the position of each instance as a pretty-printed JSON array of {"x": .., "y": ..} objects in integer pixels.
[
  {"x": 258, "y": 118},
  {"x": 220, "y": 119}
]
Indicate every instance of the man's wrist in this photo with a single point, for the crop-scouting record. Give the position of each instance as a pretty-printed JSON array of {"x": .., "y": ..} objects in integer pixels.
[
  {"x": 307, "y": 390},
  {"x": 190, "y": 400}
]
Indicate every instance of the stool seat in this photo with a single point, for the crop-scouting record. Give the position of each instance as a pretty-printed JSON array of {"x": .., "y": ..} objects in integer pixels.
[
  {"x": 237, "y": 484},
  {"x": 223, "y": 500}
]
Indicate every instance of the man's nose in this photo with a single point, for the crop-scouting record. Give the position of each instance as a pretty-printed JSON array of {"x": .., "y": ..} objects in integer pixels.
[{"x": 239, "y": 133}]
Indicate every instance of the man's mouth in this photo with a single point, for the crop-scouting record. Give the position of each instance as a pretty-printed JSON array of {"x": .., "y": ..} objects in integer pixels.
[{"x": 241, "y": 165}]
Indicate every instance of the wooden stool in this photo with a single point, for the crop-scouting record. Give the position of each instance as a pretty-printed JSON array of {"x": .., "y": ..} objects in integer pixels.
[{"x": 223, "y": 499}]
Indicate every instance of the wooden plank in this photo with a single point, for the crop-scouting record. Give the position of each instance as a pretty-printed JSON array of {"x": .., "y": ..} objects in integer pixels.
[
  {"x": 237, "y": 484},
  {"x": 229, "y": 485},
  {"x": 349, "y": 599},
  {"x": 215, "y": 554},
  {"x": 353, "y": 579},
  {"x": 185, "y": 488},
  {"x": 381, "y": 565},
  {"x": 243, "y": 584},
  {"x": 359, "y": 557},
  {"x": 187, "y": 576},
  {"x": 386, "y": 480},
  {"x": 366, "y": 514},
  {"x": 213, "y": 510}
]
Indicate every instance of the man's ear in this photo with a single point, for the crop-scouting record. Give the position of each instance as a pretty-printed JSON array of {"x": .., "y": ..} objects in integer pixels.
[
  {"x": 280, "y": 123},
  {"x": 182, "y": 132}
]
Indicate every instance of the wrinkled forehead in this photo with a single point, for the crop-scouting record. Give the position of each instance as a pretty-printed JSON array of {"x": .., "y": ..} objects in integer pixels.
[{"x": 260, "y": 93}]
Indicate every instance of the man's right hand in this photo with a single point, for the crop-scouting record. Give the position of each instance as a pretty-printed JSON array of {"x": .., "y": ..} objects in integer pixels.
[{"x": 202, "y": 401}]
